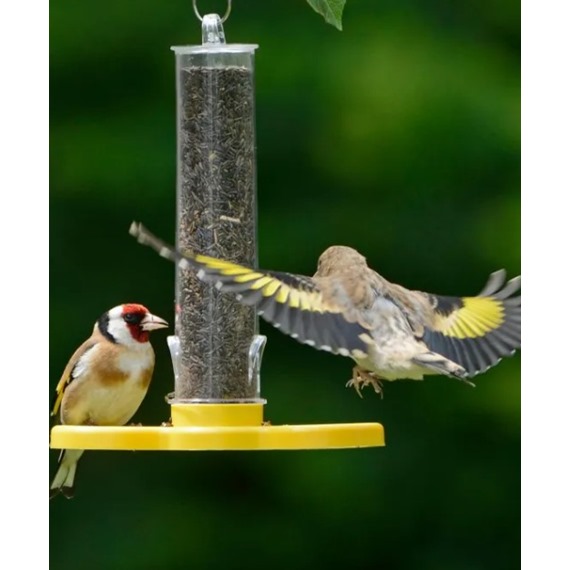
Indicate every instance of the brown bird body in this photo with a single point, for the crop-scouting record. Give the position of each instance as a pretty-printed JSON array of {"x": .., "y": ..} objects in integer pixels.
[
  {"x": 105, "y": 380},
  {"x": 347, "y": 308},
  {"x": 109, "y": 383}
]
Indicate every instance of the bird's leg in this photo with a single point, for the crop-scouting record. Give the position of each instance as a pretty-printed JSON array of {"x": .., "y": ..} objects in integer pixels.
[
  {"x": 361, "y": 378},
  {"x": 355, "y": 381}
]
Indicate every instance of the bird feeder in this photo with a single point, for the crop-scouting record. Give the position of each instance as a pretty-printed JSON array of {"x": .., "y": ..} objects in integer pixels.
[{"x": 216, "y": 349}]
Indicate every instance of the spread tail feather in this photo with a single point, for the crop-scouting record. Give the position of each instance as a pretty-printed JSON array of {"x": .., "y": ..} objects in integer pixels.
[
  {"x": 441, "y": 365},
  {"x": 64, "y": 479}
]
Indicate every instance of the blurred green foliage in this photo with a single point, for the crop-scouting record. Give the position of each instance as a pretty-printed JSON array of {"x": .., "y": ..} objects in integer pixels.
[{"x": 399, "y": 136}]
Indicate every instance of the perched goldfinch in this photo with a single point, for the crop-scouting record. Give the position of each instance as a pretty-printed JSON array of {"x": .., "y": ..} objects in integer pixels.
[
  {"x": 105, "y": 380},
  {"x": 347, "y": 308}
]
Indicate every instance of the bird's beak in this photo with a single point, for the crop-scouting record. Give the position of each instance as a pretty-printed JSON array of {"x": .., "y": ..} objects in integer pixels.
[{"x": 152, "y": 323}]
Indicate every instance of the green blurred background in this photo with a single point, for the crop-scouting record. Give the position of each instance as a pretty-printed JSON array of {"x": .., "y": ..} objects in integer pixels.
[{"x": 399, "y": 136}]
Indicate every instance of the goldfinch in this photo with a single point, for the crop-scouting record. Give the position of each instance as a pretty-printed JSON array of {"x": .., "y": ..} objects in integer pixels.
[
  {"x": 347, "y": 308},
  {"x": 105, "y": 380}
]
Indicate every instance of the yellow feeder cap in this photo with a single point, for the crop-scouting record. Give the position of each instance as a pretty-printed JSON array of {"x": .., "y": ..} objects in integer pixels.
[{"x": 200, "y": 427}]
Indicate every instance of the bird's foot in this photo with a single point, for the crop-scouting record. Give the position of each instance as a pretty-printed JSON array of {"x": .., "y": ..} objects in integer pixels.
[
  {"x": 133, "y": 424},
  {"x": 361, "y": 378}
]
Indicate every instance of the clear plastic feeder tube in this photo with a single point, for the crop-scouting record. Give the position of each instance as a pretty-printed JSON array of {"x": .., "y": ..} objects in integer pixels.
[{"x": 216, "y": 350}]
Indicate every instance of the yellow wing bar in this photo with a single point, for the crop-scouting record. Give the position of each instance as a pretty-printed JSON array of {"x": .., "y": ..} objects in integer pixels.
[
  {"x": 476, "y": 332},
  {"x": 477, "y": 316},
  {"x": 291, "y": 303}
]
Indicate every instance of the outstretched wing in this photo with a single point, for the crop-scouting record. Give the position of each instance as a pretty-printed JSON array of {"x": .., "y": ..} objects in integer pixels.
[
  {"x": 476, "y": 332},
  {"x": 294, "y": 304},
  {"x": 73, "y": 369}
]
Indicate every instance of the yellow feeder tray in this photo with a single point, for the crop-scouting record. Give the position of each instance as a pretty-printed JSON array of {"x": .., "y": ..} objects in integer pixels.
[{"x": 218, "y": 427}]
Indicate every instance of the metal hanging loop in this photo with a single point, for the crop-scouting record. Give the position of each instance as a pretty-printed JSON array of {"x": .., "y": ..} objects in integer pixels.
[{"x": 225, "y": 16}]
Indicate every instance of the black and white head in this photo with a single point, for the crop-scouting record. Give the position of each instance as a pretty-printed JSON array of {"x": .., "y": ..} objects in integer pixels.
[{"x": 129, "y": 323}]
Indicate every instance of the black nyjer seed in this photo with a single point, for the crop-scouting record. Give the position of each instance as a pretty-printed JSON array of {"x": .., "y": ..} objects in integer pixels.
[{"x": 216, "y": 217}]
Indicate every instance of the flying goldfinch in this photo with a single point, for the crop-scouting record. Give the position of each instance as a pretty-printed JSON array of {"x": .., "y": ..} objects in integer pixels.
[
  {"x": 105, "y": 380},
  {"x": 347, "y": 308}
]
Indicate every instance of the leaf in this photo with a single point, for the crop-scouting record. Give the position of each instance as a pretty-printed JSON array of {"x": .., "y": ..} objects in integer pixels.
[{"x": 330, "y": 10}]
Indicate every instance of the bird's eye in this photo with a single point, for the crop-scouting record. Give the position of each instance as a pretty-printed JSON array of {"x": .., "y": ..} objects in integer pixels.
[{"x": 132, "y": 318}]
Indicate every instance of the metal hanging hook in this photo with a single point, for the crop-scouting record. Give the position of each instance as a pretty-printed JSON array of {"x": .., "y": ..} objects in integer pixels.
[{"x": 224, "y": 18}]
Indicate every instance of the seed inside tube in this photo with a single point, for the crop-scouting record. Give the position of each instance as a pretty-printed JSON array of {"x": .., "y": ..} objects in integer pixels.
[{"x": 216, "y": 217}]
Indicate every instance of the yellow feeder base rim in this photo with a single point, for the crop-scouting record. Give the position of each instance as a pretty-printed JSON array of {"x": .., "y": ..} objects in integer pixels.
[{"x": 218, "y": 427}]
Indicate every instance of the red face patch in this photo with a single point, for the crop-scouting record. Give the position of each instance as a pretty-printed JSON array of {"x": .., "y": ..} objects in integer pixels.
[
  {"x": 133, "y": 314},
  {"x": 134, "y": 308}
]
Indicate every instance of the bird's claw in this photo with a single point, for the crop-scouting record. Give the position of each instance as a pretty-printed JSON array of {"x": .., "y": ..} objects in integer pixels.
[
  {"x": 354, "y": 383},
  {"x": 361, "y": 378}
]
